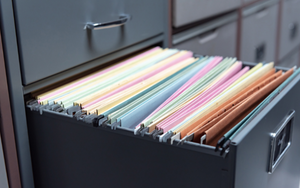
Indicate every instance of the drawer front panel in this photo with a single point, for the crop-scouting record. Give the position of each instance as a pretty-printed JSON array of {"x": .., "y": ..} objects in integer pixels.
[
  {"x": 188, "y": 11},
  {"x": 290, "y": 27},
  {"x": 291, "y": 60},
  {"x": 82, "y": 156},
  {"x": 259, "y": 35},
  {"x": 219, "y": 41},
  {"x": 52, "y": 37}
]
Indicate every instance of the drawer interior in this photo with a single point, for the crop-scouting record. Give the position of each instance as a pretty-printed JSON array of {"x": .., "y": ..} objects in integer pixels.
[{"x": 96, "y": 119}]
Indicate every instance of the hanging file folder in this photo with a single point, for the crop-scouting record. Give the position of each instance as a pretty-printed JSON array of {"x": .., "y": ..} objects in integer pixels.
[{"x": 170, "y": 94}]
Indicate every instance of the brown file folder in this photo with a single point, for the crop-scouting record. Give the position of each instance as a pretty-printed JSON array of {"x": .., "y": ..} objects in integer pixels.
[{"x": 224, "y": 107}]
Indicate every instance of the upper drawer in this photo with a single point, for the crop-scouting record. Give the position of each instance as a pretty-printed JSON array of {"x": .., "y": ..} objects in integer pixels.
[
  {"x": 259, "y": 33},
  {"x": 52, "y": 37},
  {"x": 188, "y": 11},
  {"x": 209, "y": 43},
  {"x": 290, "y": 27}
]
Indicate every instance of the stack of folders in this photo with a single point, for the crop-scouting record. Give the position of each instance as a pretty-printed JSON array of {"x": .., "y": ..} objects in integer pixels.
[{"x": 170, "y": 94}]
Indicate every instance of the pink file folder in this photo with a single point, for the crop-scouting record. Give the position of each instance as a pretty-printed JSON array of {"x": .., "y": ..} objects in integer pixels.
[{"x": 202, "y": 99}]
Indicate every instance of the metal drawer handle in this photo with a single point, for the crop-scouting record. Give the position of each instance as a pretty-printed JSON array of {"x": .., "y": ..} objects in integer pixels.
[
  {"x": 260, "y": 52},
  {"x": 262, "y": 13},
  {"x": 281, "y": 140},
  {"x": 293, "y": 30},
  {"x": 123, "y": 19},
  {"x": 208, "y": 36}
]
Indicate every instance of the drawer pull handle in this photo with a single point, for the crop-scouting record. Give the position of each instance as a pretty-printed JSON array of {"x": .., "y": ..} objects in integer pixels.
[
  {"x": 123, "y": 19},
  {"x": 206, "y": 37},
  {"x": 262, "y": 13},
  {"x": 293, "y": 30},
  {"x": 281, "y": 140},
  {"x": 260, "y": 52}
]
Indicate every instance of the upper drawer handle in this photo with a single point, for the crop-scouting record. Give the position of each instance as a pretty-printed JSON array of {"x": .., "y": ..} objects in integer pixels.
[{"x": 124, "y": 18}]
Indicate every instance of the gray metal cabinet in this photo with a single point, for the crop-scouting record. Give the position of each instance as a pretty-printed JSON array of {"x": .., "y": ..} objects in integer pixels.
[
  {"x": 52, "y": 37},
  {"x": 188, "y": 11},
  {"x": 217, "y": 37},
  {"x": 259, "y": 25},
  {"x": 290, "y": 27},
  {"x": 69, "y": 153}
]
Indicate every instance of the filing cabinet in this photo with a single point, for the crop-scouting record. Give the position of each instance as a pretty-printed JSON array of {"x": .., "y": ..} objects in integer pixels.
[
  {"x": 53, "y": 36},
  {"x": 259, "y": 26},
  {"x": 189, "y": 11},
  {"x": 217, "y": 37},
  {"x": 289, "y": 29}
]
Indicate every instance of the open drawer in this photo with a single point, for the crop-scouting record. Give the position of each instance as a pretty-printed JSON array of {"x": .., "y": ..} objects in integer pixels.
[
  {"x": 70, "y": 153},
  {"x": 53, "y": 36}
]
